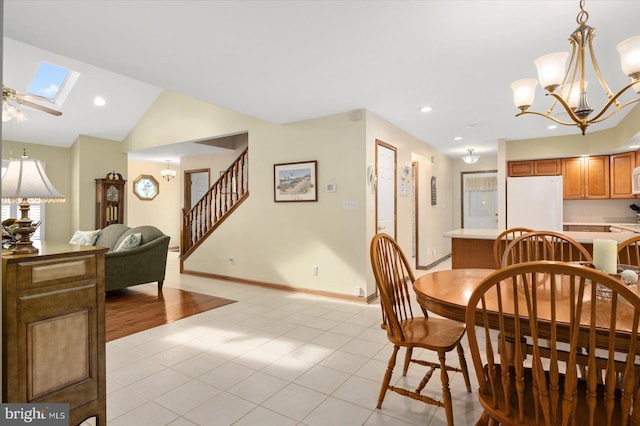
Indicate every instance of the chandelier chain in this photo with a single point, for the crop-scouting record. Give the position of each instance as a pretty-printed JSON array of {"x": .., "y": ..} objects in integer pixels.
[{"x": 583, "y": 15}]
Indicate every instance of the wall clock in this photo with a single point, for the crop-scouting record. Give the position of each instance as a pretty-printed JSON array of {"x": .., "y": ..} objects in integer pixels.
[{"x": 146, "y": 187}]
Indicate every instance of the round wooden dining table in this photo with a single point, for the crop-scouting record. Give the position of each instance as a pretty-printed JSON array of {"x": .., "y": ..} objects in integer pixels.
[{"x": 446, "y": 293}]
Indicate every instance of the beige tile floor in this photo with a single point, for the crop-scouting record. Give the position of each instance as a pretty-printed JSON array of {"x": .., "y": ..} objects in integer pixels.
[{"x": 272, "y": 358}]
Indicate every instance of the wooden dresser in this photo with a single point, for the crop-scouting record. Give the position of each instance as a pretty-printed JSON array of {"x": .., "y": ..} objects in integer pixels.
[{"x": 53, "y": 340}]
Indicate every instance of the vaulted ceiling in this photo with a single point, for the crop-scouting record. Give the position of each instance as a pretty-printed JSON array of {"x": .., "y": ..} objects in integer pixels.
[{"x": 285, "y": 61}]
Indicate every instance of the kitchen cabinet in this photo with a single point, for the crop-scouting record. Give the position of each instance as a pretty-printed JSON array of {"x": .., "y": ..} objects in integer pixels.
[
  {"x": 548, "y": 167},
  {"x": 587, "y": 228},
  {"x": 621, "y": 167},
  {"x": 585, "y": 177},
  {"x": 53, "y": 341}
]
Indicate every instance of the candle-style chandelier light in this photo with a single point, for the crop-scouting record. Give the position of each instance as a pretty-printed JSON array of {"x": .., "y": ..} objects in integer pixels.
[
  {"x": 568, "y": 86},
  {"x": 168, "y": 173}
]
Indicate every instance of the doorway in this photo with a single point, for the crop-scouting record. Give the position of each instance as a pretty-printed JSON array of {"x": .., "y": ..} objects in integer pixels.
[
  {"x": 386, "y": 188},
  {"x": 196, "y": 184},
  {"x": 479, "y": 199}
]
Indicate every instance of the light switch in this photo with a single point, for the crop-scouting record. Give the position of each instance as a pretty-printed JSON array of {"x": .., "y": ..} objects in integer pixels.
[{"x": 349, "y": 205}]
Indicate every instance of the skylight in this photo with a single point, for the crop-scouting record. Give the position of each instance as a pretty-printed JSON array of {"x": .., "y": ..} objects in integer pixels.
[{"x": 48, "y": 81}]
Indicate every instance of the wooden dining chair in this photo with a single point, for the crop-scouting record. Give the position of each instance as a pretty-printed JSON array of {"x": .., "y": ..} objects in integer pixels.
[
  {"x": 393, "y": 276},
  {"x": 544, "y": 245},
  {"x": 549, "y": 306},
  {"x": 503, "y": 239},
  {"x": 629, "y": 251}
]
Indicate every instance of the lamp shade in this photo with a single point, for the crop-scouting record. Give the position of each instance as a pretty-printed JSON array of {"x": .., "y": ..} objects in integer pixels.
[
  {"x": 629, "y": 51},
  {"x": 470, "y": 158},
  {"x": 552, "y": 69},
  {"x": 25, "y": 178},
  {"x": 571, "y": 94},
  {"x": 524, "y": 92}
]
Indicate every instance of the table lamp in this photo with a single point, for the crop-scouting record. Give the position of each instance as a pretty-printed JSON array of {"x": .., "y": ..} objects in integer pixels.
[{"x": 25, "y": 181}]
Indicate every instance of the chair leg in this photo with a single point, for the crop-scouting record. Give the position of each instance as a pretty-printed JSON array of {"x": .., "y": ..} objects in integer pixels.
[
  {"x": 463, "y": 367},
  {"x": 387, "y": 375},
  {"x": 407, "y": 360},
  {"x": 160, "y": 285},
  {"x": 446, "y": 392}
]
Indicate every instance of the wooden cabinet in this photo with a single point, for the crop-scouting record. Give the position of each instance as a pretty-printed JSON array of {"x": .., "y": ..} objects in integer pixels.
[
  {"x": 587, "y": 228},
  {"x": 110, "y": 200},
  {"x": 621, "y": 167},
  {"x": 585, "y": 177},
  {"x": 53, "y": 341},
  {"x": 549, "y": 167}
]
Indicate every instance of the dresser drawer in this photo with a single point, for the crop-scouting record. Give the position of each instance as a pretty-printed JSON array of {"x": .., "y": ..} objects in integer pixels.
[{"x": 33, "y": 274}]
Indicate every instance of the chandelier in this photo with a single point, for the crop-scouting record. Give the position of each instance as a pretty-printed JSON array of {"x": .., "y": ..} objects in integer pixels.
[
  {"x": 167, "y": 173},
  {"x": 568, "y": 86},
  {"x": 470, "y": 158}
]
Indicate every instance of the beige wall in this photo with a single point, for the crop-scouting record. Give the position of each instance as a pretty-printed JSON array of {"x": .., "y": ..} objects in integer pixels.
[
  {"x": 281, "y": 242},
  {"x": 433, "y": 221},
  {"x": 93, "y": 159},
  {"x": 175, "y": 118},
  {"x": 163, "y": 211},
  {"x": 58, "y": 163}
]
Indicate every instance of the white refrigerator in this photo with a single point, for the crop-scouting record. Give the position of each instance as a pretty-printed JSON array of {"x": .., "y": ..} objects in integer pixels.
[{"x": 535, "y": 202}]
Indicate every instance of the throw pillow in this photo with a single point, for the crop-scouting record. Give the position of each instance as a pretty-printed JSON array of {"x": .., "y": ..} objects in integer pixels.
[
  {"x": 85, "y": 238},
  {"x": 130, "y": 241}
]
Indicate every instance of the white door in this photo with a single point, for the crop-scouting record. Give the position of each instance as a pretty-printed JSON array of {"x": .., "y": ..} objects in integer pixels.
[
  {"x": 386, "y": 189},
  {"x": 199, "y": 186},
  {"x": 480, "y": 200}
]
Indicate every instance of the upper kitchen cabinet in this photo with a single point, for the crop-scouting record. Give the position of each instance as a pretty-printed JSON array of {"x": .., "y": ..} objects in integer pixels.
[
  {"x": 550, "y": 167},
  {"x": 621, "y": 168},
  {"x": 585, "y": 177}
]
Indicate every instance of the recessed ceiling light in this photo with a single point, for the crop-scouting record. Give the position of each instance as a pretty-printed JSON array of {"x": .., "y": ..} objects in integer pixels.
[
  {"x": 99, "y": 101},
  {"x": 458, "y": 138},
  {"x": 426, "y": 109},
  {"x": 552, "y": 126}
]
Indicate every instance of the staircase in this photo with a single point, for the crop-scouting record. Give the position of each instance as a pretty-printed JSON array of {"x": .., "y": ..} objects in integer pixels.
[{"x": 227, "y": 193}]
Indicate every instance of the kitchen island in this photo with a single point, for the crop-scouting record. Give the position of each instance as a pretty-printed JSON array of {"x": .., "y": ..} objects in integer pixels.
[{"x": 473, "y": 248}]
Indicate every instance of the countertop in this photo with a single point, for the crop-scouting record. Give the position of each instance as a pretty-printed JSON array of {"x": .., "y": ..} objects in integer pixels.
[{"x": 581, "y": 237}]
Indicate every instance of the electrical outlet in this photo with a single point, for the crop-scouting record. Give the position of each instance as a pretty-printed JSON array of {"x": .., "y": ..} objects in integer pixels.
[
  {"x": 358, "y": 291},
  {"x": 314, "y": 271}
]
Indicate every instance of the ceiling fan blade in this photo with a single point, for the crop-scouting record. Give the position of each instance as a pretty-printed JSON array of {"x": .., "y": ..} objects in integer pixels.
[
  {"x": 29, "y": 97},
  {"x": 38, "y": 107}
]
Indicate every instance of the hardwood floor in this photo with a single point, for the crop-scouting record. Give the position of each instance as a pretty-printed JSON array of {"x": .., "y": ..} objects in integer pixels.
[{"x": 142, "y": 307}]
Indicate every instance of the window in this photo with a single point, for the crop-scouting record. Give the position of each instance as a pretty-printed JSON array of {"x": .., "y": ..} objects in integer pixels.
[
  {"x": 36, "y": 210},
  {"x": 53, "y": 83}
]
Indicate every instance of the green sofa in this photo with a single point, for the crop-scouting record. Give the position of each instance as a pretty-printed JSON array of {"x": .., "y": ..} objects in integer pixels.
[{"x": 143, "y": 264}]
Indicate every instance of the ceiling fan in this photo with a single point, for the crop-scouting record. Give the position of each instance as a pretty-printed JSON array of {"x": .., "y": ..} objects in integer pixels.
[{"x": 11, "y": 100}]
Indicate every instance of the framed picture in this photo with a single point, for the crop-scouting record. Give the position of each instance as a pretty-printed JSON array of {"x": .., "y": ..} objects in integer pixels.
[
  {"x": 295, "y": 181},
  {"x": 146, "y": 187}
]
